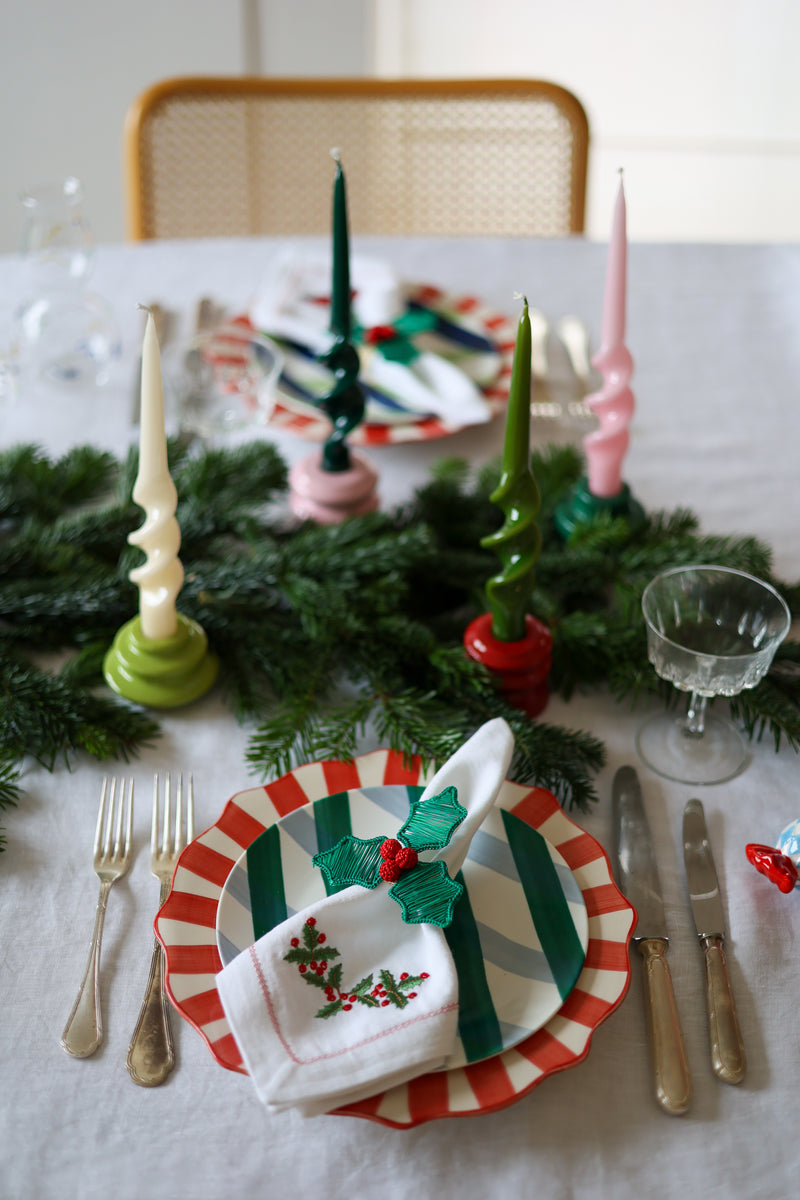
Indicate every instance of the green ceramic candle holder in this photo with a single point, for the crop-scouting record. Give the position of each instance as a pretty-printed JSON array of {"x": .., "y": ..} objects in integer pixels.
[{"x": 161, "y": 672}]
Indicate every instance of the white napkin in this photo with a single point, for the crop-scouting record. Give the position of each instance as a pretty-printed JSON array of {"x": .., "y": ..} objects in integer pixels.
[
  {"x": 392, "y": 1012},
  {"x": 287, "y": 305}
]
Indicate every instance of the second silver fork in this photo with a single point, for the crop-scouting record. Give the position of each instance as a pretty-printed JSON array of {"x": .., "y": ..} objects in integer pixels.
[{"x": 151, "y": 1055}]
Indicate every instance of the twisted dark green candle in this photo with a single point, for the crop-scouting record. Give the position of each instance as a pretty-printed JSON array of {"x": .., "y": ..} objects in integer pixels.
[
  {"x": 518, "y": 542},
  {"x": 340, "y": 282},
  {"x": 344, "y": 403}
]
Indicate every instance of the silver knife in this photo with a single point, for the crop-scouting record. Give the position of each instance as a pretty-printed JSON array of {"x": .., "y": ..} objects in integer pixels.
[
  {"x": 638, "y": 879},
  {"x": 727, "y": 1050}
]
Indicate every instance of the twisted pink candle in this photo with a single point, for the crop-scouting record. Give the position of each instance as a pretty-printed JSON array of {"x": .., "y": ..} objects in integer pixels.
[{"x": 613, "y": 404}]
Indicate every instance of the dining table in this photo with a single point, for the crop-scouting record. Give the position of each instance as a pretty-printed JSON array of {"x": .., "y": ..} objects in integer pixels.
[{"x": 713, "y": 332}]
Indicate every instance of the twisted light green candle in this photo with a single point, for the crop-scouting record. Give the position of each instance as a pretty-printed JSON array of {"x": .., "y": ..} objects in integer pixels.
[{"x": 518, "y": 542}]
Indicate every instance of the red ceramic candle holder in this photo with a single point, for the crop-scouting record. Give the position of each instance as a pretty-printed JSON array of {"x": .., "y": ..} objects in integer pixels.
[
  {"x": 521, "y": 668},
  {"x": 329, "y": 497}
]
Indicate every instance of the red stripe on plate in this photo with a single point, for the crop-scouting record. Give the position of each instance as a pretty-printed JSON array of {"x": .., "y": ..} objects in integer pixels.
[
  {"x": 584, "y": 1008},
  {"x": 428, "y": 1096},
  {"x": 286, "y": 794},
  {"x": 490, "y": 1082},
  {"x": 362, "y": 1108},
  {"x": 227, "y": 1052},
  {"x": 203, "y": 1008},
  {"x": 340, "y": 776},
  {"x": 603, "y": 899},
  {"x": 207, "y": 863},
  {"x": 194, "y": 960},
  {"x": 579, "y": 851},
  {"x": 401, "y": 770},
  {"x": 196, "y": 910},
  {"x": 238, "y": 825},
  {"x": 607, "y": 956},
  {"x": 427, "y": 291},
  {"x": 546, "y": 1052},
  {"x": 536, "y": 806},
  {"x": 465, "y": 304},
  {"x": 497, "y": 322},
  {"x": 376, "y": 435}
]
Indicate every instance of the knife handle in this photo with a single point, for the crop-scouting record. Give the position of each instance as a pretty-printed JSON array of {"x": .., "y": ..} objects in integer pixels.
[
  {"x": 670, "y": 1064},
  {"x": 727, "y": 1049}
]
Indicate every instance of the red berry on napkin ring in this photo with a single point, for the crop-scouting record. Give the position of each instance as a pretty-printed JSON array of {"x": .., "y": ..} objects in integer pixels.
[
  {"x": 777, "y": 867},
  {"x": 390, "y": 871},
  {"x": 406, "y": 858},
  {"x": 390, "y": 849}
]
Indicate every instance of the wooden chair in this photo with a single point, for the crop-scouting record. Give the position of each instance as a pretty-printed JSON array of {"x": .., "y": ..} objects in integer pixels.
[{"x": 243, "y": 156}]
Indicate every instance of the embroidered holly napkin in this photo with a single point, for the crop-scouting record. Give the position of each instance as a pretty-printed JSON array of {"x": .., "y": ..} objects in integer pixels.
[{"x": 358, "y": 992}]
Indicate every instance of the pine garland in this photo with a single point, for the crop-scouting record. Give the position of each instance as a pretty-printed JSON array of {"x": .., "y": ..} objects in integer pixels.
[{"x": 323, "y": 632}]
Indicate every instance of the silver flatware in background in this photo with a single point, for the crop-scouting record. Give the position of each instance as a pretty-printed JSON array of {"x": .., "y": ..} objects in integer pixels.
[
  {"x": 727, "y": 1049},
  {"x": 574, "y": 335},
  {"x": 542, "y": 402},
  {"x": 638, "y": 880},
  {"x": 83, "y": 1032},
  {"x": 151, "y": 1055}
]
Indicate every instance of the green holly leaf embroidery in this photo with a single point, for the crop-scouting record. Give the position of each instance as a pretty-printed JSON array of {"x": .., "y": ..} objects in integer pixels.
[
  {"x": 431, "y": 822},
  {"x": 427, "y": 895},
  {"x": 351, "y": 860},
  {"x": 366, "y": 992}
]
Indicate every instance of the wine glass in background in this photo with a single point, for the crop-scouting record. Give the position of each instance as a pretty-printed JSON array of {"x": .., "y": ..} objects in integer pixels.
[
  {"x": 711, "y": 631},
  {"x": 66, "y": 334}
]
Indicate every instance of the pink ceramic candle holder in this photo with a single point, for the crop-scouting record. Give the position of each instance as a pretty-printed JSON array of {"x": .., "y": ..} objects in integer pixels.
[{"x": 329, "y": 497}]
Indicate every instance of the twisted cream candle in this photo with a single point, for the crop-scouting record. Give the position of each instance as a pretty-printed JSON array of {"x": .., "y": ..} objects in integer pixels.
[{"x": 160, "y": 577}]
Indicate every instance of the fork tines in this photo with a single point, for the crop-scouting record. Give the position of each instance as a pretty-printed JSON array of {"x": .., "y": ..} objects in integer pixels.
[
  {"x": 171, "y": 847},
  {"x": 110, "y": 819}
]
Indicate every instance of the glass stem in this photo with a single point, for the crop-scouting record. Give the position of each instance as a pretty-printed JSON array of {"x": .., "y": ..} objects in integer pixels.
[{"x": 696, "y": 715}]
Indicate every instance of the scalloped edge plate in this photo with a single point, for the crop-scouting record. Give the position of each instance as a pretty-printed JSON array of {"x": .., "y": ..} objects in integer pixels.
[{"x": 186, "y": 928}]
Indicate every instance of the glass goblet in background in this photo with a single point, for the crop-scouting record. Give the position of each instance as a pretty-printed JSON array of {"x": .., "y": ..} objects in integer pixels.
[
  {"x": 66, "y": 334},
  {"x": 711, "y": 631}
]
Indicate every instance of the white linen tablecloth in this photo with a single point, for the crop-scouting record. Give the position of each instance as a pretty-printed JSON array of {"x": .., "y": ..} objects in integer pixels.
[{"x": 713, "y": 332}]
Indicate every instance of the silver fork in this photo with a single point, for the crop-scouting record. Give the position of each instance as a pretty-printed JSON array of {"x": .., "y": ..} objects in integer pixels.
[
  {"x": 83, "y": 1032},
  {"x": 151, "y": 1055}
]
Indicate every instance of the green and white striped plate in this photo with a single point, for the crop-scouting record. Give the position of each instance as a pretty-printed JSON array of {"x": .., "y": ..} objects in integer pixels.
[{"x": 520, "y": 930}]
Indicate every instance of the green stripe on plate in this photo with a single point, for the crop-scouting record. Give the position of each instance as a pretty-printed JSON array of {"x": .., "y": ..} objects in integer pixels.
[
  {"x": 478, "y": 1026},
  {"x": 332, "y": 821},
  {"x": 265, "y": 881},
  {"x": 547, "y": 903}
]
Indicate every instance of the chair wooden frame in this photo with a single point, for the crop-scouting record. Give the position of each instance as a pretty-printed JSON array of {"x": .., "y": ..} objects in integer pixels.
[{"x": 155, "y": 100}]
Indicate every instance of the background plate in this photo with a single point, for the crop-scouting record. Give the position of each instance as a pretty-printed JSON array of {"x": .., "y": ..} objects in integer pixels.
[
  {"x": 463, "y": 316},
  {"x": 186, "y": 928},
  {"x": 519, "y": 933}
]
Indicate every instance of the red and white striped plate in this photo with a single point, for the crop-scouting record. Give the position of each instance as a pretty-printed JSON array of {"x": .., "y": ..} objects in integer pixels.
[
  {"x": 186, "y": 928},
  {"x": 496, "y": 327}
]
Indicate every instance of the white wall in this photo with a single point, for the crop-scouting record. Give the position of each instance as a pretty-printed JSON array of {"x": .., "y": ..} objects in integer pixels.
[{"x": 699, "y": 100}]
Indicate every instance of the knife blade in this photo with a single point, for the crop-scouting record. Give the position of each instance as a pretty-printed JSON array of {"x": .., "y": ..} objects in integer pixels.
[
  {"x": 638, "y": 879},
  {"x": 727, "y": 1049}
]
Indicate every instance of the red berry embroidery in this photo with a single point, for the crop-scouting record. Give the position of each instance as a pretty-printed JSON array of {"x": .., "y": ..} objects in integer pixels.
[
  {"x": 390, "y": 849},
  {"x": 367, "y": 993}
]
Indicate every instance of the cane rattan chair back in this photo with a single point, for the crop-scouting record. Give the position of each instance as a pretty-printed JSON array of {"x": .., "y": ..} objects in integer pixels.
[{"x": 243, "y": 156}]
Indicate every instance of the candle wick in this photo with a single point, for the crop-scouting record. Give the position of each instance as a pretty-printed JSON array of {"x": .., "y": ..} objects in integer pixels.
[
  {"x": 144, "y": 307},
  {"x": 336, "y": 155},
  {"x": 521, "y": 296}
]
